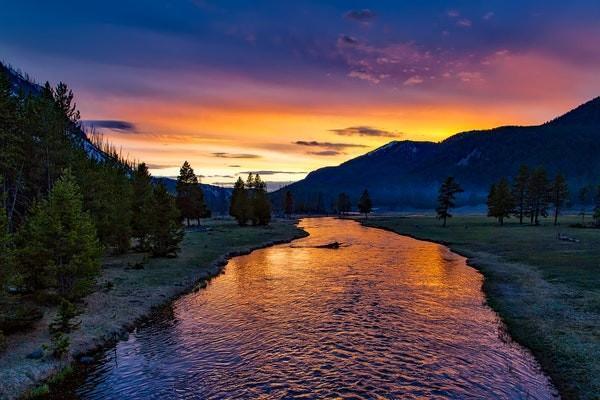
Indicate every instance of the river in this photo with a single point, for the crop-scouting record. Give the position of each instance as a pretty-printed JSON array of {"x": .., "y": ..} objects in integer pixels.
[{"x": 384, "y": 316}]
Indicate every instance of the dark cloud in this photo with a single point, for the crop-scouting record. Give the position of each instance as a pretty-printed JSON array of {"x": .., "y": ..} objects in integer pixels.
[
  {"x": 160, "y": 166},
  {"x": 328, "y": 145},
  {"x": 234, "y": 166},
  {"x": 234, "y": 155},
  {"x": 364, "y": 15},
  {"x": 345, "y": 40},
  {"x": 269, "y": 172},
  {"x": 115, "y": 125},
  {"x": 325, "y": 153},
  {"x": 364, "y": 131},
  {"x": 219, "y": 176}
]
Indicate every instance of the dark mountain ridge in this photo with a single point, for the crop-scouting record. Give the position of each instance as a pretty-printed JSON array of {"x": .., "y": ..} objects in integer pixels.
[{"x": 407, "y": 174}]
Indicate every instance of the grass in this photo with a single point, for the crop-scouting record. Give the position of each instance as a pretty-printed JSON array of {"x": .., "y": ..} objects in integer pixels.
[
  {"x": 125, "y": 295},
  {"x": 546, "y": 290}
]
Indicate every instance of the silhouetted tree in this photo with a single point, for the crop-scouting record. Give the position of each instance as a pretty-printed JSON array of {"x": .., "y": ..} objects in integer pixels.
[
  {"x": 142, "y": 204},
  {"x": 559, "y": 193},
  {"x": 343, "y": 204},
  {"x": 288, "y": 204},
  {"x": 538, "y": 193},
  {"x": 6, "y": 249},
  {"x": 597, "y": 207},
  {"x": 238, "y": 208},
  {"x": 190, "y": 198},
  {"x": 59, "y": 247},
  {"x": 447, "y": 193},
  {"x": 584, "y": 194},
  {"x": 519, "y": 192},
  {"x": 365, "y": 205},
  {"x": 261, "y": 206},
  {"x": 500, "y": 201},
  {"x": 166, "y": 232}
]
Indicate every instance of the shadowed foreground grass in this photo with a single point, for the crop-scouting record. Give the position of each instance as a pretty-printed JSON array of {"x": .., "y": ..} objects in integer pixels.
[
  {"x": 546, "y": 290},
  {"x": 129, "y": 288}
]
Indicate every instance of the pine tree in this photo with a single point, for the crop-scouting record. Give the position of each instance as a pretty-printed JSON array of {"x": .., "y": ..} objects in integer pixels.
[
  {"x": 365, "y": 205},
  {"x": 597, "y": 207},
  {"x": 59, "y": 247},
  {"x": 190, "y": 198},
  {"x": 238, "y": 208},
  {"x": 559, "y": 193},
  {"x": 288, "y": 204},
  {"x": 343, "y": 204},
  {"x": 166, "y": 232},
  {"x": 500, "y": 201},
  {"x": 6, "y": 249},
  {"x": 250, "y": 203},
  {"x": 261, "y": 205},
  {"x": 447, "y": 193},
  {"x": 519, "y": 192},
  {"x": 538, "y": 192},
  {"x": 142, "y": 205}
]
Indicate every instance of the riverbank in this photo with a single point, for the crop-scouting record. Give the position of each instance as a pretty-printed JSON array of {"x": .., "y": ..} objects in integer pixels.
[
  {"x": 130, "y": 288},
  {"x": 545, "y": 289}
]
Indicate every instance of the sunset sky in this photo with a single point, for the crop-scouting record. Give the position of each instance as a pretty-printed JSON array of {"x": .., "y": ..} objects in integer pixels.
[{"x": 285, "y": 87}]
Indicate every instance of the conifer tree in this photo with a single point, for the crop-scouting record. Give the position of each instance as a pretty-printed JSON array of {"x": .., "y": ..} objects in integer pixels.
[
  {"x": 343, "y": 204},
  {"x": 500, "y": 201},
  {"x": 597, "y": 207},
  {"x": 538, "y": 195},
  {"x": 288, "y": 204},
  {"x": 447, "y": 193},
  {"x": 261, "y": 205},
  {"x": 250, "y": 194},
  {"x": 59, "y": 247},
  {"x": 166, "y": 232},
  {"x": 6, "y": 250},
  {"x": 559, "y": 193},
  {"x": 190, "y": 198},
  {"x": 238, "y": 208},
  {"x": 519, "y": 192},
  {"x": 142, "y": 204},
  {"x": 365, "y": 205}
]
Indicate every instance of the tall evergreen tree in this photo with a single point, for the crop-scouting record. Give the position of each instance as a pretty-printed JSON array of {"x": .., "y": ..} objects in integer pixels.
[
  {"x": 166, "y": 232},
  {"x": 59, "y": 247},
  {"x": 538, "y": 192},
  {"x": 447, "y": 194},
  {"x": 343, "y": 204},
  {"x": 261, "y": 205},
  {"x": 288, "y": 204},
  {"x": 519, "y": 192},
  {"x": 142, "y": 204},
  {"x": 6, "y": 249},
  {"x": 365, "y": 205},
  {"x": 250, "y": 203},
  {"x": 559, "y": 193},
  {"x": 238, "y": 208},
  {"x": 188, "y": 200},
  {"x": 500, "y": 201},
  {"x": 597, "y": 207}
]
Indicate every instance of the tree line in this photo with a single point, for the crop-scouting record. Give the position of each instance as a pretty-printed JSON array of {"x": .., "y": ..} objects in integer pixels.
[{"x": 250, "y": 202}]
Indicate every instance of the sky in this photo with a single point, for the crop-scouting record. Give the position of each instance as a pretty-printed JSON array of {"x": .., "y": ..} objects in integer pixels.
[{"x": 285, "y": 87}]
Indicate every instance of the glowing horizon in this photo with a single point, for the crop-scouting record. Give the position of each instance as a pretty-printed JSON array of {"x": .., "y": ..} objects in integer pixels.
[{"x": 231, "y": 88}]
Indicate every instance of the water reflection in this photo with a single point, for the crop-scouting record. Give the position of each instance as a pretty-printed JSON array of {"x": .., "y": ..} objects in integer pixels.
[{"x": 384, "y": 316}]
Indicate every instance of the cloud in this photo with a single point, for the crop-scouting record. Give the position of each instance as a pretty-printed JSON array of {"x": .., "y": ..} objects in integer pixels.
[
  {"x": 364, "y": 15},
  {"x": 413, "y": 80},
  {"x": 453, "y": 13},
  {"x": 488, "y": 16},
  {"x": 234, "y": 166},
  {"x": 160, "y": 166},
  {"x": 325, "y": 153},
  {"x": 328, "y": 145},
  {"x": 269, "y": 172},
  {"x": 364, "y": 131},
  {"x": 346, "y": 40},
  {"x": 114, "y": 125},
  {"x": 464, "y": 22},
  {"x": 234, "y": 155},
  {"x": 365, "y": 76}
]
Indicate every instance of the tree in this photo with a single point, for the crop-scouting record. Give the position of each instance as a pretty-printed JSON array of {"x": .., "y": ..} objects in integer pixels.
[
  {"x": 500, "y": 201},
  {"x": 190, "y": 198},
  {"x": 142, "y": 204},
  {"x": 288, "y": 204},
  {"x": 238, "y": 208},
  {"x": 559, "y": 193},
  {"x": 59, "y": 246},
  {"x": 447, "y": 193},
  {"x": 519, "y": 192},
  {"x": 364, "y": 204},
  {"x": 538, "y": 192},
  {"x": 261, "y": 205},
  {"x": 166, "y": 232},
  {"x": 6, "y": 249},
  {"x": 597, "y": 207},
  {"x": 343, "y": 204},
  {"x": 584, "y": 194}
]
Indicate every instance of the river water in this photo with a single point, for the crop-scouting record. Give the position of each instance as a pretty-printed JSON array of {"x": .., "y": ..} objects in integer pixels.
[{"x": 384, "y": 316}]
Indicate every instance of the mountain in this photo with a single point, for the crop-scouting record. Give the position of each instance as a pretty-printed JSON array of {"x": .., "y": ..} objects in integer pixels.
[
  {"x": 217, "y": 198},
  {"x": 407, "y": 174}
]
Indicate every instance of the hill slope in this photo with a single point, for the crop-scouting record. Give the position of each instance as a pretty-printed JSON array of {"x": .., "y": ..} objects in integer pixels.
[{"x": 407, "y": 174}]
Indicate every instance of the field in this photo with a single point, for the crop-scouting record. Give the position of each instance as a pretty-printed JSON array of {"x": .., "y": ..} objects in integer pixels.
[
  {"x": 129, "y": 288},
  {"x": 546, "y": 290}
]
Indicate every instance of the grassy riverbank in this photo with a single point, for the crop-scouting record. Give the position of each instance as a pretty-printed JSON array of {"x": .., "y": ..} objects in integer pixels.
[
  {"x": 129, "y": 288},
  {"x": 546, "y": 290}
]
